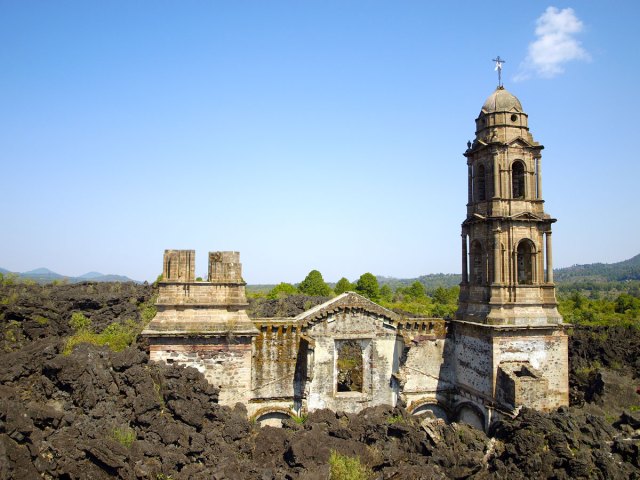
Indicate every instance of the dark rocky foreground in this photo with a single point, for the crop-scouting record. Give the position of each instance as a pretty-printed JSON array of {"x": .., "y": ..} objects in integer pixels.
[{"x": 99, "y": 414}]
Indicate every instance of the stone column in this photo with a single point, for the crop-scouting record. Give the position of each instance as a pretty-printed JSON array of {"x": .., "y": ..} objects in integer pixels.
[
  {"x": 549, "y": 257},
  {"x": 497, "y": 263},
  {"x": 470, "y": 182},
  {"x": 465, "y": 275},
  {"x": 539, "y": 177},
  {"x": 496, "y": 177}
]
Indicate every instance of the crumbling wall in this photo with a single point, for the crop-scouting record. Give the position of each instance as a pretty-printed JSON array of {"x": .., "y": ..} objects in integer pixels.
[
  {"x": 425, "y": 372},
  {"x": 546, "y": 350},
  {"x": 275, "y": 355},
  {"x": 473, "y": 359},
  {"x": 224, "y": 361},
  {"x": 380, "y": 354}
]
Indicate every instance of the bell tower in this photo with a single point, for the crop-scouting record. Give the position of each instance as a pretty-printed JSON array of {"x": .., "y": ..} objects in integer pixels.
[
  {"x": 509, "y": 344},
  {"x": 507, "y": 270}
]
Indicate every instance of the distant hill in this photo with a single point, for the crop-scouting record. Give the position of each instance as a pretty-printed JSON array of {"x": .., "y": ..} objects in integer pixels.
[
  {"x": 430, "y": 281},
  {"x": 91, "y": 275},
  {"x": 600, "y": 272},
  {"x": 44, "y": 275}
]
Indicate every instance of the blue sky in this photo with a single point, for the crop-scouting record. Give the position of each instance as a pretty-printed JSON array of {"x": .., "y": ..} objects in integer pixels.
[{"x": 307, "y": 135}]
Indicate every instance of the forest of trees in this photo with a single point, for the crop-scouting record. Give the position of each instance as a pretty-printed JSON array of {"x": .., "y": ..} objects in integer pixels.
[
  {"x": 413, "y": 299},
  {"x": 581, "y": 302}
]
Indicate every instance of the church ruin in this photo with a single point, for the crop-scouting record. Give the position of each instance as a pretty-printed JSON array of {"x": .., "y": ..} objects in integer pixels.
[{"x": 505, "y": 348}]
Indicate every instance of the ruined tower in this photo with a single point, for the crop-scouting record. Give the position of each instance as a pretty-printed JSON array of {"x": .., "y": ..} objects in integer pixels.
[
  {"x": 204, "y": 324},
  {"x": 508, "y": 332}
]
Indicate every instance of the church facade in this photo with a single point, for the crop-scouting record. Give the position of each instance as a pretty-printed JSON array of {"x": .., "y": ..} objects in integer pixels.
[{"x": 505, "y": 348}]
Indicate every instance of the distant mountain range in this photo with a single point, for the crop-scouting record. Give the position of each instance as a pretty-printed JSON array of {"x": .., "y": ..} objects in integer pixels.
[
  {"x": 593, "y": 272},
  {"x": 44, "y": 275}
]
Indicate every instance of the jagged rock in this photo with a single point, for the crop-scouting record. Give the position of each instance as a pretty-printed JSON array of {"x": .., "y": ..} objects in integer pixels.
[{"x": 58, "y": 415}]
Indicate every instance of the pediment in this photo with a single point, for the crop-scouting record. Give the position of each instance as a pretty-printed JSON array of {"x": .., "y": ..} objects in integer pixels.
[
  {"x": 344, "y": 303},
  {"x": 526, "y": 216},
  {"x": 520, "y": 142}
]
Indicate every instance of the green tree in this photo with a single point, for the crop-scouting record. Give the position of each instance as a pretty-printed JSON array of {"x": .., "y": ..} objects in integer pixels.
[
  {"x": 416, "y": 290},
  {"x": 282, "y": 290},
  {"x": 343, "y": 285},
  {"x": 314, "y": 284},
  {"x": 386, "y": 293},
  {"x": 446, "y": 296},
  {"x": 626, "y": 302},
  {"x": 367, "y": 286}
]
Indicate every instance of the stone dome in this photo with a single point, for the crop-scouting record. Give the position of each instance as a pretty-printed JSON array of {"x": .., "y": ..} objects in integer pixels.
[{"x": 501, "y": 101}]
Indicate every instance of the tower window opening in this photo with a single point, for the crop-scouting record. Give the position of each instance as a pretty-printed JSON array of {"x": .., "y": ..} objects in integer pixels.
[
  {"x": 525, "y": 263},
  {"x": 350, "y": 366},
  {"x": 477, "y": 270},
  {"x": 517, "y": 180},
  {"x": 481, "y": 184}
]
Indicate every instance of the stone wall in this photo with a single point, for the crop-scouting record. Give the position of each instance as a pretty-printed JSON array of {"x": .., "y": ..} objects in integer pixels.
[
  {"x": 225, "y": 362},
  {"x": 425, "y": 373},
  {"x": 275, "y": 356},
  {"x": 546, "y": 351}
]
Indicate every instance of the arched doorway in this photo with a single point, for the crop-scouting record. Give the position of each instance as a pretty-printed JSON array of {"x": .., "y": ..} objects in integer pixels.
[{"x": 471, "y": 415}]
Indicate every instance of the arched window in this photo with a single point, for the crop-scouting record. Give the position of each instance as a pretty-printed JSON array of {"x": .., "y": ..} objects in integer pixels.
[
  {"x": 481, "y": 184},
  {"x": 517, "y": 180},
  {"x": 525, "y": 255},
  {"x": 477, "y": 270}
]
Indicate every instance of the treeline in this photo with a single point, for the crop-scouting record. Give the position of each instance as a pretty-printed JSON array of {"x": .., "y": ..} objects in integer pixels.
[
  {"x": 599, "y": 310},
  {"x": 415, "y": 299}
]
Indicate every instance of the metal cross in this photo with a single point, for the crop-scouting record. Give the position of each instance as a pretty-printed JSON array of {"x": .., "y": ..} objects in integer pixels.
[{"x": 499, "y": 63}]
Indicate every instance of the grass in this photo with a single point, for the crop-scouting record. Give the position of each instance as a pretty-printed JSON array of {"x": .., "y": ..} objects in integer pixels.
[
  {"x": 116, "y": 336},
  {"x": 300, "y": 419},
  {"x": 124, "y": 436},
  {"x": 396, "y": 419},
  {"x": 344, "y": 467}
]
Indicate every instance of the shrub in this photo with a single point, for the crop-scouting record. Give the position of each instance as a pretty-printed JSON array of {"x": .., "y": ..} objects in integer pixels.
[
  {"x": 79, "y": 322},
  {"x": 282, "y": 290},
  {"x": 148, "y": 310},
  {"x": 347, "y": 468}
]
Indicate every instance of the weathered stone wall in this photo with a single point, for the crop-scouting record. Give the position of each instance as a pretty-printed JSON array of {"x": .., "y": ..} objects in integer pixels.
[
  {"x": 201, "y": 293},
  {"x": 179, "y": 266},
  {"x": 472, "y": 359},
  {"x": 275, "y": 356},
  {"x": 381, "y": 352},
  {"x": 546, "y": 350},
  {"x": 425, "y": 373},
  {"x": 225, "y": 362}
]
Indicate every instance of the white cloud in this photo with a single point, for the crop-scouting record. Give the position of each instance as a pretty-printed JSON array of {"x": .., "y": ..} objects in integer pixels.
[{"x": 555, "y": 44}]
